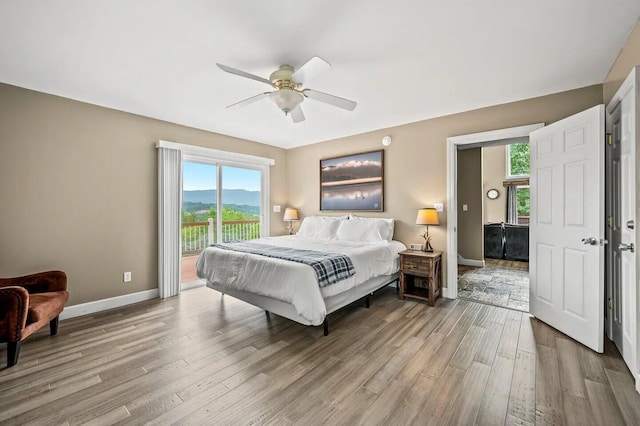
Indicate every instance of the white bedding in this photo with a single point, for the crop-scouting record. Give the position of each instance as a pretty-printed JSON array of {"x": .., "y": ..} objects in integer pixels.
[{"x": 293, "y": 282}]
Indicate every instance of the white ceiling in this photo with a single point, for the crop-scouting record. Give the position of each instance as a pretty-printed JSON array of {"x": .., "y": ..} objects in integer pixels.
[{"x": 402, "y": 61}]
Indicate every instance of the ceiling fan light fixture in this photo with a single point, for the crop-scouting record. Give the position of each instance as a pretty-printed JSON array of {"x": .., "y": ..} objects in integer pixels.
[{"x": 286, "y": 99}]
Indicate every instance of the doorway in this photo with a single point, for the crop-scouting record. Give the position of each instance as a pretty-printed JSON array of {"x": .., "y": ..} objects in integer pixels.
[
  {"x": 495, "y": 137},
  {"x": 493, "y": 217},
  {"x": 205, "y": 187},
  {"x": 220, "y": 203}
]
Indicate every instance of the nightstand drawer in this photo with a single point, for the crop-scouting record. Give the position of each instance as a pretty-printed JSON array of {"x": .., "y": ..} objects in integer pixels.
[{"x": 413, "y": 265}]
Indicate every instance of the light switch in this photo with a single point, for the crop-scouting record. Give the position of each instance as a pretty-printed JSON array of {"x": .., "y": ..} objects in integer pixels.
[
  {"x": 465, "y": 208},
  {"x": 276, "y": 209},
  {"x": 438, "y": 206}
]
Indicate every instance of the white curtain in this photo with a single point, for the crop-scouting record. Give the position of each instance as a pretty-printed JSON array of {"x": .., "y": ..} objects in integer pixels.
[
  {"x": 169, "y": 202},
  {"x": 512, "y": 205}
]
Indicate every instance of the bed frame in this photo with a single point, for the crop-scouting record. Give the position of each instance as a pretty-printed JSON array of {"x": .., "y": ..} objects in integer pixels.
[{"x": 333, "y": 303}]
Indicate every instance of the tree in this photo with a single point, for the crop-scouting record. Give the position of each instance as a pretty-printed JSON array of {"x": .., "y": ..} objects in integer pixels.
[
  {"x": 523, "y": 201},
  {"x": 519, "y": 159},
  {"x": 229, "y": 213},
  {"x": 189, "y": 216},
  {"x": 212, "y": 213}
]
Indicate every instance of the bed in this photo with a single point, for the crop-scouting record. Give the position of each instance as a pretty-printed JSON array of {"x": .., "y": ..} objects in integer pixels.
[{"x": 291, "y": 289}]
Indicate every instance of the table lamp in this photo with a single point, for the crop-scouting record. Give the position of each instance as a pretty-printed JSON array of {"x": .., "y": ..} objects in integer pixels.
[
  {"x": 427, "y": 216},
  {"x": 289, "y": 216}
]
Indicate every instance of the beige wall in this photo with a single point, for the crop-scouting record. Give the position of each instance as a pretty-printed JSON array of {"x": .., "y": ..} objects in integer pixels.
[
  {"x": 494, "y": 168},
  {"x": 415, "y": 163},
  {"x": 470, "y": 231},
  {"x": 79, "y": 190},
  {"x": 628, "y": 58}
]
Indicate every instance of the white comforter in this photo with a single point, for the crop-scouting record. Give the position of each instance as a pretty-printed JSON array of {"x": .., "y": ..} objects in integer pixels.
[{"x": 293, "y": 282}]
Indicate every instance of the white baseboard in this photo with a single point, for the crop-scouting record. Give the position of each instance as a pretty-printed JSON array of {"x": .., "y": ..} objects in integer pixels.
[
  {"x": 470, "y": 262},
  {"x": 447, "y": 293},
  {"x": 110, "y": 303}
]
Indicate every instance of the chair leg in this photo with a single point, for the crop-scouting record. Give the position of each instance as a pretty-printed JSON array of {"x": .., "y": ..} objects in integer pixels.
[
  {"x": 13, "y": 351},
  {"x": 53, "y": 326}
]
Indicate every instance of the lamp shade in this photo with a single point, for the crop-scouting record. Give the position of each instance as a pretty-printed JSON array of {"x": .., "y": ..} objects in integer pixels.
[
  {"x": 427, "y": 216},
  {"x": 286, "y": 99},
  {"x": 290, "y": 214}
]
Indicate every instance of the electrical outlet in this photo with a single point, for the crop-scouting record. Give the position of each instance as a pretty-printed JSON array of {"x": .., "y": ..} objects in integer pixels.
[
  {"x": 416, "y": 246},
  {"x": 127, "y": 277}
]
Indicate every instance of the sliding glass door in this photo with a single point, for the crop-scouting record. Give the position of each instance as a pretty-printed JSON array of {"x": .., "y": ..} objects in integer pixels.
[
  {"x": 220, "y": 203},
  {"x": 241, "y": 203}
]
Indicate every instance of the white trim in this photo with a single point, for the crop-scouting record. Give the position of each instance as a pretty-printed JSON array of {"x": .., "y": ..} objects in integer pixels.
[
  {"x": 452, "y": 198},
  {"x": 106, "y": 304},
  {"x": 205, "y": 153},
  {"x": 625, "y": 87},
  {"x": 507, "y": 159},
  {"x": 448, "y": 294},
  {"x": 495, "y": 135},
  {"x": 470, "y": 262}
]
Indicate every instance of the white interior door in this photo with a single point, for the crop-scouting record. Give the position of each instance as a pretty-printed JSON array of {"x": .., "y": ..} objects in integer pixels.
[
  {"x": 567, "y": 226},
  {"x": 622, "y": 115},
  {"x": 613, "y": 254}
]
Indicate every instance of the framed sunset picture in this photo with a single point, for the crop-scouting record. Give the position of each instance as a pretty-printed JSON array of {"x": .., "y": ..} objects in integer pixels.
[{"x": 353, "y": 182}]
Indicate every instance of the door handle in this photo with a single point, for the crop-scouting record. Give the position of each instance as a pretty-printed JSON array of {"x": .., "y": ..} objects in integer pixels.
[
  {"x": 591, "y": 241},
  {"x": 626, "y": 247}
]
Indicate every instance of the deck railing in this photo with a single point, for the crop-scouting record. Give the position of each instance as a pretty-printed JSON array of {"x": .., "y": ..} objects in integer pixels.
[{"x": 196, "y": 236}]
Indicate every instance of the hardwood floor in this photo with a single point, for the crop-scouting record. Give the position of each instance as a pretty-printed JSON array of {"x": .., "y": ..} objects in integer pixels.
[{"x": 201, "y": 358}]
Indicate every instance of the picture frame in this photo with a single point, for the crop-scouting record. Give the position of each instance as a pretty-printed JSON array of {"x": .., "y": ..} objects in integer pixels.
[{"x": 353, "y": 182}]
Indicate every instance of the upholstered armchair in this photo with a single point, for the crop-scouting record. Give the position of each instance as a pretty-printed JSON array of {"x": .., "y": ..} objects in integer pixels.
[{"x": 28, "y": 303}]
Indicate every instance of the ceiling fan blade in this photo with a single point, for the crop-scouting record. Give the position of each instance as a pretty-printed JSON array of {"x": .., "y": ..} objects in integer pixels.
[
  {"x": 249, "y": 100},
  {"x": 243, "y": 74},
  {"x": 296, "y": 114},
  {"x": 330, "y": 99},
  {"x": 313, "y": 68}
]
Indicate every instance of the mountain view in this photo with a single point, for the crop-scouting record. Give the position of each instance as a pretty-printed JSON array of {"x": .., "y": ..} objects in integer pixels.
[
  {"x": 239, "y": 204},
  {"x": 229, "y": 196}
]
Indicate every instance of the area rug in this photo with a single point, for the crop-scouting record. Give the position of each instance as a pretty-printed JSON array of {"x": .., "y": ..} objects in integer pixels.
[{"x": 508, "y": 288}]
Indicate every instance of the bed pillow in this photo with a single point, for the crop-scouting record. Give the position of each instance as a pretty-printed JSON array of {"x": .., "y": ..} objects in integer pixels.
[
  {"x": 324, "y": 227},
  {"x": 366, "y": 231},
  {"x": 383, "y": 226}
]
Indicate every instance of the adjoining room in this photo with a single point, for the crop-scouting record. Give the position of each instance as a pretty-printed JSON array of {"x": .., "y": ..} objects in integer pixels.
[{"x": 494, "y": 199}]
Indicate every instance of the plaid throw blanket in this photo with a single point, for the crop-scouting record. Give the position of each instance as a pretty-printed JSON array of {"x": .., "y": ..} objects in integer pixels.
[{"x": 329, "y": 267}]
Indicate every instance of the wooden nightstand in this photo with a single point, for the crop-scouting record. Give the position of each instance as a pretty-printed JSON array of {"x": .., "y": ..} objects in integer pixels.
[{"x": 420, "y": 275}]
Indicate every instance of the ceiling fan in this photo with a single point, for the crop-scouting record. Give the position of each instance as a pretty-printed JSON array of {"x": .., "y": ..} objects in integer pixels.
[{"x": 289, "y": 92}]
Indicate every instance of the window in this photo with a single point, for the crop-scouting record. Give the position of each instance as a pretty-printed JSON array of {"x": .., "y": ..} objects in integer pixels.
[
  {"x": 517, "y": 174},
  {"x": 518, "y": 160}
]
